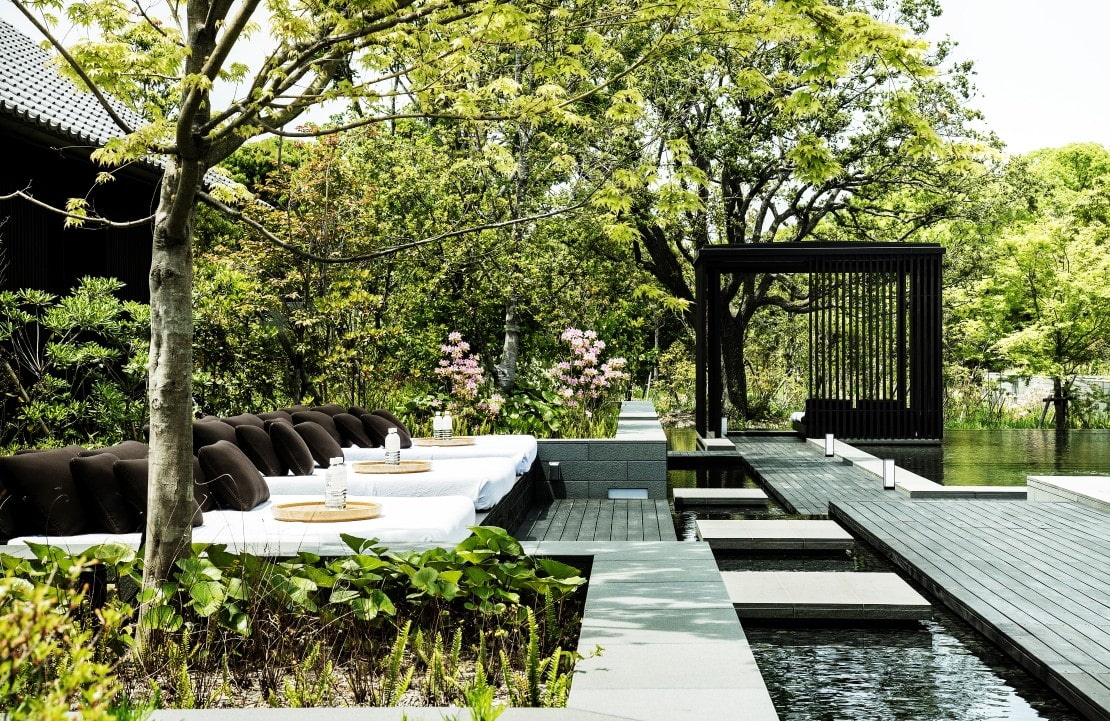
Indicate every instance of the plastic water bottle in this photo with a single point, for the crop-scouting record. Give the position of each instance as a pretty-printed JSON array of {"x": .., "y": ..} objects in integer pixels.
[
  {"x": 393, "y": 447},
  {"x": 335, "y": 485},
  {"x": 448, "y": 425}
]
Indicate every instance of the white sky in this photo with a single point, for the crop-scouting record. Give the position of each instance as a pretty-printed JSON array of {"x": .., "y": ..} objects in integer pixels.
[{"x": 1042, "y": 67}]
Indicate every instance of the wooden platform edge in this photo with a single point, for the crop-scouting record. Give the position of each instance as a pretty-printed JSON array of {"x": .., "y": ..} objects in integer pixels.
[{"x": 1019, "y": 653}]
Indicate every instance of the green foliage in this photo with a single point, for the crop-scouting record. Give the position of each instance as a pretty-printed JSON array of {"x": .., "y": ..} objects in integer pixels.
[
  {"x": 1038, "y": 302},
  {"x": 48, "y": 664},
  {"x": 73, "y": 368},
  {"x": 296, "y": 624}
]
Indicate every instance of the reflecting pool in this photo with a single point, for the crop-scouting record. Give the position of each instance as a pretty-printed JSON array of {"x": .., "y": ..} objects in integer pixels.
[{"x": 1003, "y": 457}]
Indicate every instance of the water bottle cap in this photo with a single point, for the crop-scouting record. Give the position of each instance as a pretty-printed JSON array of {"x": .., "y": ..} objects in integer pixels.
[
  {"x": 337, "y": 461},
  {"x": 392, "y": 429}
]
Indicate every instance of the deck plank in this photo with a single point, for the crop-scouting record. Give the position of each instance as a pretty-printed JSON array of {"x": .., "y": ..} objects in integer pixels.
[
  {"x": 600, "y": 520},
  {"x": 1030, "y": 576}
]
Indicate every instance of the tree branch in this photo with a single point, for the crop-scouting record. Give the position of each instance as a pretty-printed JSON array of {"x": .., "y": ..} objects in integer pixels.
[
  {"x": 95, "y": 219},
  {"x": 237, "y": 214}
]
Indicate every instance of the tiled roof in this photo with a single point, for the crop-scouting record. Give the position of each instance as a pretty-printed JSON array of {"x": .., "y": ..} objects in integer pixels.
[{"x": 32, "y": 90}]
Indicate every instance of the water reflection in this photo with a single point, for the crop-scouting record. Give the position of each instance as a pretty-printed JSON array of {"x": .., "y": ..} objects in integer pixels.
[
  {"x": 1003, "y": 457},
  {"x": 931, "y": 671}
]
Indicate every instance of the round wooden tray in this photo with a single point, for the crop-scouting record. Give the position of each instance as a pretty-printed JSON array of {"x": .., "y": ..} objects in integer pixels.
[
  {"x": 314, "y": 511},
  {"x": 383, "y": 467},
  {"x": 452, "y": 441}
]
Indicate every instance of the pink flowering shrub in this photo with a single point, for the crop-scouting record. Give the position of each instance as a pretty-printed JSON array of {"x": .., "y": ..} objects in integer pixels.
[
  {"x": 585, "y": 383},
  {"x": 462, "y": 370}
]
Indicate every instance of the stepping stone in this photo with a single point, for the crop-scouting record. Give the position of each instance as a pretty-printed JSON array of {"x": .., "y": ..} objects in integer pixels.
[
  {"x": 840, "y": 596},
  {"x": 719, "y": 497},
  {"x": 774, "y": 535}
]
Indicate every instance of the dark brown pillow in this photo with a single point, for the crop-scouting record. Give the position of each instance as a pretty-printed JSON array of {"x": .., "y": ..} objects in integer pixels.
[
  {"x": 244, "y": 419},
  {"x": 291, "y": 449},
  {"x": 378, "y": 427},
  {"x": 127, "y": 450},
  {"x": 256, "y": 443},
  {"x": 237, "y": 482},
  {"x": 350, "y": 427},
  {"x": 203, "y": 491},
  {"x": 276, "y": 416},
  {"x": 12, "y": 516},
  {"x": 205, "y": 433},
  {"x": 107, "y": 509},
  {"x": 394, "y": 420},
  {"x": 44, "y": 485},
  {"x": 322, "y": 446},
  {"x": 323, "y": 420},
  {"x": 133, "y": 476},
  {"x": 330, "y": 408},
  {"x": 357, "y": 411}
]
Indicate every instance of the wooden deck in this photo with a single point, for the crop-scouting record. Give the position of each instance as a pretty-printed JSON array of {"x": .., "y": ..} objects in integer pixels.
[
  {"x": 801, "y": 479},
  {"x": 599, "y": 520},
  {"x": 1033, "y": 577}
]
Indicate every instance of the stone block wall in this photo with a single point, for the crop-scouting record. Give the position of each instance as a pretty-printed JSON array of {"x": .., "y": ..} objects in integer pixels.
[{"x": 589, "y": 467}]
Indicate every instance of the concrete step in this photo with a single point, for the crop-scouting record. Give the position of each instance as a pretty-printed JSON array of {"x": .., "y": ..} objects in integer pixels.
[
  {"x": 719, "y": 497},
  {"x": 774, "y": 535},
  {"x": 839, "y": 596}
]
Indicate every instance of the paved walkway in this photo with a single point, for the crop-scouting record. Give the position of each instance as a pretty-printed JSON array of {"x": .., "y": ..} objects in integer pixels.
[
  {"x": 1033, "y": 577},
  {"x": 581, "y": 519}
]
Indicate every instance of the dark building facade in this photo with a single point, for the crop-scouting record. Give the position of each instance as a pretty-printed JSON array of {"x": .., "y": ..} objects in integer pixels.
[{"x": 49, "y": 128}]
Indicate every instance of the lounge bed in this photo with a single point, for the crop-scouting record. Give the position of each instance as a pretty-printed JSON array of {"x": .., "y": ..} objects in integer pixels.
[
  {"x": 439, "y": 521},
  {"x": 485, "y": 481},
  {"x": 522, "y": 449}
]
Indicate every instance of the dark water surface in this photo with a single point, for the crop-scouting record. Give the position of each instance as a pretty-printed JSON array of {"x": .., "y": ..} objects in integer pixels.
[{"x": 1003, "y": 457}]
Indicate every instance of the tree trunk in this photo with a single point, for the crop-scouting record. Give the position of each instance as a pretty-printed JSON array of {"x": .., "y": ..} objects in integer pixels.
[
  {"x": 733, "y": 332},
  {"x": 170, "y": 484},
  {"x": 1060, "y": 404},
  {"x": 510, "y": 350}
]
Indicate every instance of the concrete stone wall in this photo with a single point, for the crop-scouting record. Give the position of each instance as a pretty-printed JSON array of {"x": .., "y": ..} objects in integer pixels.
[{"x": 589, "y": 467}]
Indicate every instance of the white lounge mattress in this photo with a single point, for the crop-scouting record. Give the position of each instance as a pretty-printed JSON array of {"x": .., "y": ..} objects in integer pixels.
[
  {"x": 439, "y": 521},
  {"x": 521, "y": 448},
  {"x": 485, "y": 481}
]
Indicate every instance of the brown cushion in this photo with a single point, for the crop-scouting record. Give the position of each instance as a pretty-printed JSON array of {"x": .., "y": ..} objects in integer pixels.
[
  {"x": 107, "y": 509},
  {"x": 330, "y": 408},
  {"x": 44, "y": 485},
  {"x": 244, "y": 419},
  {"x": 205, "y": 433},
  {"x": 133, "y": 478},
  {"x": 322, "y": 446},
  {"x": 256, "y": 443},
  {"x": 238, "y": 484},
  {"x": 350, "y": 427},
  {"x": 401, "y": 427},
  {"x": 291, "y": 449},
  {"x": 357, "y": 411},
  {"x": 323, "y": 420},
  {"x": 127, "y": 450},
  {"x": 378, "y": 426},
  {"x": 276, "y": 416}
]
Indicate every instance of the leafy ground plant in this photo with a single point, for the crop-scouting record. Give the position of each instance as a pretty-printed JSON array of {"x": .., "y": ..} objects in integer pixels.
[{"x": 375, "y": 627}]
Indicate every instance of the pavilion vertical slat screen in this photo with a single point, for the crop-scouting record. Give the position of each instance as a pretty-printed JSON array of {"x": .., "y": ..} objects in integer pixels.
[{"x": 874, "y": 335}]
